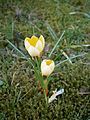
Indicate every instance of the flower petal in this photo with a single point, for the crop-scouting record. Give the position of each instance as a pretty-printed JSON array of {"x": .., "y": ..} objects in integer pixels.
[
  {"x": 27, "y": 44},
  {"x": 39, "y": 45},
  {"x": 33, "y": 40},
  {"x": 48, "y": 62},
  {"x": 41, "y": 38},
  {"x": 33, "y": 51},
  {"x": 52, "y": 66},
  {"x": 46, "y": 70}
]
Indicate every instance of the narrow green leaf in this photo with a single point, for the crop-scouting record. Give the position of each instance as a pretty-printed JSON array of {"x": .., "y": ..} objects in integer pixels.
[
  {"x": 78, "y": 46},
  {"x": 53, "y": 34},
  {"x": 82, "y": 13},
  {"x": 66, "y": 56},
  {"x": 57, "y": 65},
  {"x": 56, "y": 44},
  {"x": 20, "y": 52},
  {"x": 17, "y": 49}
]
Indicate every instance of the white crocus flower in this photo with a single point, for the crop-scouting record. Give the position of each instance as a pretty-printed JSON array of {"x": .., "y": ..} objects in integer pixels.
[
  {"x": 34, "y": 45},
  {"x": 47, "y": 67}
]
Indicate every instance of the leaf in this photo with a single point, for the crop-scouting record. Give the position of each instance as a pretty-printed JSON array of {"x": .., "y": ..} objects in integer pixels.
[
  {"x": 70, "y": 59},
  {"x": 66, "y": 56},
  {"x": 56, "y": 44},
  {"x": 20, "y": 52}
]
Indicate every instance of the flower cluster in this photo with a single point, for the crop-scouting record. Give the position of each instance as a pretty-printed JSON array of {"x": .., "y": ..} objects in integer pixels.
[{"x": 35, "y": 46}]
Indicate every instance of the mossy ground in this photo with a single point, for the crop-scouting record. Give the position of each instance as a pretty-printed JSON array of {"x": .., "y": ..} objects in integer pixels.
[{"x": 19, "y": 95}]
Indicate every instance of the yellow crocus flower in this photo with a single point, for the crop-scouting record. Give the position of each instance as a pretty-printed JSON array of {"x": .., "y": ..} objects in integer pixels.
[{"x": 34, "y": 45}]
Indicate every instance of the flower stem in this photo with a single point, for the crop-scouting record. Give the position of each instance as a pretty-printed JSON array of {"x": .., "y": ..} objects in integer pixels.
[{"x": 45, "y": 96}]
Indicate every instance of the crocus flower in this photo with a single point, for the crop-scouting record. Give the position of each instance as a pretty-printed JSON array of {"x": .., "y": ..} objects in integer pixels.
[
  {"x": 34, "y": 45},
  {"x": 47, "y": 67}
]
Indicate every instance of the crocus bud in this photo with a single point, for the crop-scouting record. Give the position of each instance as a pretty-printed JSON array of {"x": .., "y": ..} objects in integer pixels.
[
  {"x": 34, "y": 45},
  {"x": 47, "y": 67}
]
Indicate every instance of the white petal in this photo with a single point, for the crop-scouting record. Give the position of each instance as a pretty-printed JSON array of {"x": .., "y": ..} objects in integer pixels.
[
  {"x": 43, "y": 40},
  {"x": 33, "y": 51},
  {"x": 46, "y": 71},
  {"x": 39, "y": 46},
  {"x": 43, "y": 64},
  {"x": 27, "y": 44},
  {"x": 52, "y": 66}
]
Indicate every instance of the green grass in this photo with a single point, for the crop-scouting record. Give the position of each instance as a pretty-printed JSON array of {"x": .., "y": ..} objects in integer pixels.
[{"x": 19, "y": 95}]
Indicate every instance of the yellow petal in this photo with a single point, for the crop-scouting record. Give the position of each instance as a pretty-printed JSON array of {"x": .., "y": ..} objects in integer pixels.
[
  {"x": 48, "y": 62},
  {"x": 33, "y": 40}
]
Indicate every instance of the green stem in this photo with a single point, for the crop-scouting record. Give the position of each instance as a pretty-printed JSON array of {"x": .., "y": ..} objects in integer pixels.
[
  {"x": 41, "y": 79},
  {"x": 45, "y": 96}
]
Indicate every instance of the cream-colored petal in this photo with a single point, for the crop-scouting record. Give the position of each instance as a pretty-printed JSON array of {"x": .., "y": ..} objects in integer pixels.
[
  {"x": 41, "y": 38},
  {"x": 33, "y": 51},
  {"x": 46, "y": 71},
  {"x": 43, "y": 64},
  {"x": 39, "y": 45},
  {"x": 52, "y": 66},
  {"x": 27, "y": 44}
]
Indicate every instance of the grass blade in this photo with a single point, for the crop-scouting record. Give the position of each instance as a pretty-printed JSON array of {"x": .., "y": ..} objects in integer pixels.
[
  {"x": 54, "y": 36},
  {"x": 66, "y": 56},
  {"x": 17, "y": 49},
  {"x": 56, "y": 44},
  {"x": 80, "y": 13},
  {"x": 70, "y": 58},
  {"x": 51, "y": 31},
  {"x": 78, "y": 46},
  {"x": 20, "y": 52}
]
